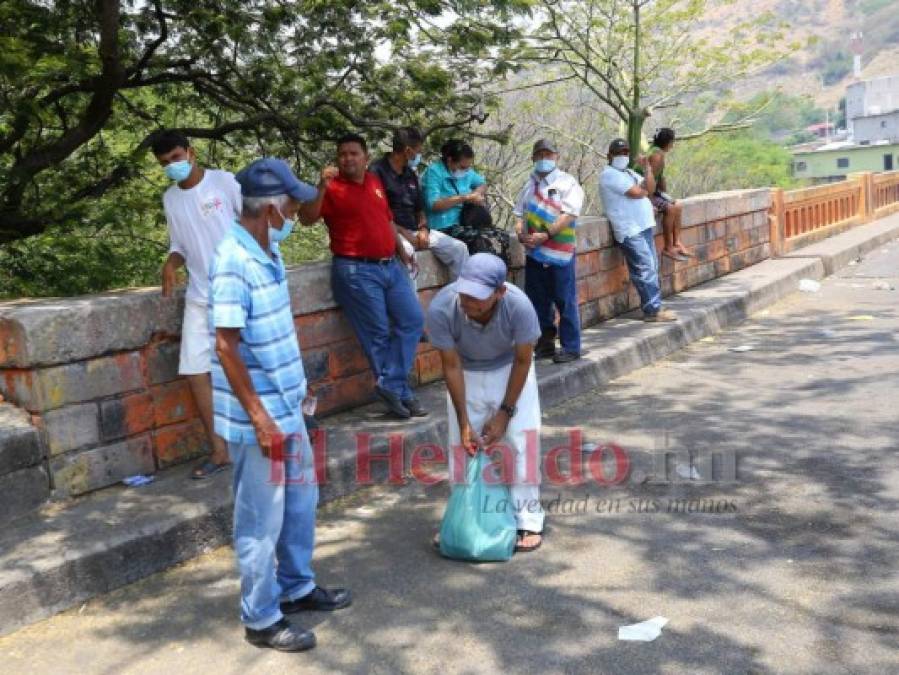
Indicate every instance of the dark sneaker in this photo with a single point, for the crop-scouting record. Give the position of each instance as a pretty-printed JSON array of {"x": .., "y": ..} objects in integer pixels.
[
  {"x": 282, "y": 636},
  {"x": 562, "y": 356},
  {"x": 546, "y": 345},
  {"x": 413, "y": 405},
  {"x": 321, "y": 600},
  {"x": 394, "y": 405}
]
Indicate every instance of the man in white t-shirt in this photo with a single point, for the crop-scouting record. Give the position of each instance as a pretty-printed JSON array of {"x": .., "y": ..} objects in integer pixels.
[
  {"x": 200, "y": 208},
  {"x": 625, "y": 197}
]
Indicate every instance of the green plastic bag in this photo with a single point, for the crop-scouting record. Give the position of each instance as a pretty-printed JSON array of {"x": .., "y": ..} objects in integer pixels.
[{"x": 469, "y": 530}]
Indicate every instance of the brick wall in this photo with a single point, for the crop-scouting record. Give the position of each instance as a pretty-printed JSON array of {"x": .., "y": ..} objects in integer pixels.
[{"x": 99, "y": 373}]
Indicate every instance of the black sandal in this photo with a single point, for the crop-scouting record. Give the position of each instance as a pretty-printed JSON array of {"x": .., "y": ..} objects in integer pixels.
[{"x": 527, "y": 549}]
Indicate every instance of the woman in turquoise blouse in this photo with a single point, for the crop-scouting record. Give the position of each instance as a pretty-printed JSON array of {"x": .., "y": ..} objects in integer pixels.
[{"x": 449, "y": 183}]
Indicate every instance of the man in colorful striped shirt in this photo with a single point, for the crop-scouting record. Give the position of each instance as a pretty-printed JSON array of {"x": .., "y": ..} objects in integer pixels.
[
  {"x": 546, "y": 213},
  {"x": 258, "y": 388}
]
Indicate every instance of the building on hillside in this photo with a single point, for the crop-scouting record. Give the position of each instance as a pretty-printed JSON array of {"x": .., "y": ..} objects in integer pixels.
[
  {"x": 822, "y": 129},
  {"x": 876, "y": 128},
  {"x": 873, "y": 97},
  {"x": 835, "y": 161}
]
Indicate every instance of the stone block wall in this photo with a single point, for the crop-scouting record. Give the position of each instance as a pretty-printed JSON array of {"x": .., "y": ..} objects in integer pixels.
[
  {"x": 98, "y": 374},
  {"x": 24, "y": 483}
]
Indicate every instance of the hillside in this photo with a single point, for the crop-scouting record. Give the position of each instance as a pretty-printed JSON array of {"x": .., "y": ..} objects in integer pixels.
[{"x": 824, "y": 68}]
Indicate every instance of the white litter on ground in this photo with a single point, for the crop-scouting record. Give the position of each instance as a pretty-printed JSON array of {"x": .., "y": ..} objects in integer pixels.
[
  {"x": 645, "y": 631},
  {"x": 809, "y": 286},
  {"x": 742, "y": 348},
  {"x": 883, "y": 286}
]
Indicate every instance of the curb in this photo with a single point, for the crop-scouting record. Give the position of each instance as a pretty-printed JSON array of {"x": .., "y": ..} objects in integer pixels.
[{"x": 56, "y": 559}]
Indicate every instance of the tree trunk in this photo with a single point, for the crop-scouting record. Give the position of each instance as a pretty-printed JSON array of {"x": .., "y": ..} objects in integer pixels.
[{"x": 635, "y": 123}]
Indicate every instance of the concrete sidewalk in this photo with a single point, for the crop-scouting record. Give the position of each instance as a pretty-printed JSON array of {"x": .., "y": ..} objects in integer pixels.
[{"x": 68, "y": 553}]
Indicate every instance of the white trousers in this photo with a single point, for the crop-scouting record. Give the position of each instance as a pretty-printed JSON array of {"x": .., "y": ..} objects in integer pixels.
[
  {"x": 484, "y": 392},
  {"x": 448, "y": 250}
]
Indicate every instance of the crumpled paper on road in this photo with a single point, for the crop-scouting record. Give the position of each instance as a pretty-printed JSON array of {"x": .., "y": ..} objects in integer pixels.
[{"x": 645, "y": 631}]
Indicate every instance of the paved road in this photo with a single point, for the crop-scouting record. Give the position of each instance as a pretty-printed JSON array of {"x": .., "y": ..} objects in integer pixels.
[{"x": 796, "y": 571}]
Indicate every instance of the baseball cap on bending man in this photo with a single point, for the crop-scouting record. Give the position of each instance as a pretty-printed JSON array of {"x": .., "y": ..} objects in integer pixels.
[
  {"x": 268, "y": 177},
  {"x": 482, "y": 274}
]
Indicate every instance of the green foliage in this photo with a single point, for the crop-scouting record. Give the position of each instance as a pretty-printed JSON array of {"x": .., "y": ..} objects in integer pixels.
[
  {"x": 873, "y": 6},
  {"x": 637, "y": 57},
  {"x": 83, "y": 84},
  {"x": 731, "y": 161},
  {"x": 778, "y": 115},
  {"x": 835, "y": 66}
]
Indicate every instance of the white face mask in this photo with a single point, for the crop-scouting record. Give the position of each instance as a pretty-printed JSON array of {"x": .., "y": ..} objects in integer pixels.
[{"x": 620, "y": 162}]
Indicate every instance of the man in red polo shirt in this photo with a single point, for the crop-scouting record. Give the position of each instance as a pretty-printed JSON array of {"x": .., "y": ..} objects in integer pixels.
[{"x": 369, "y": 283}]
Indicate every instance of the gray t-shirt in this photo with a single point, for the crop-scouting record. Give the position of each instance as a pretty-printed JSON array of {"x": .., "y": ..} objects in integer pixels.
[{"x": 483, "y": 347}]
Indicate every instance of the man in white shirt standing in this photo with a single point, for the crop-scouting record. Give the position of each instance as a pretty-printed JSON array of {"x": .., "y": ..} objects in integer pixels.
[
  {"x": 200, "y": 208},
  {"x": 545, "y": 218},
  {"x": 625, "y": 196}
]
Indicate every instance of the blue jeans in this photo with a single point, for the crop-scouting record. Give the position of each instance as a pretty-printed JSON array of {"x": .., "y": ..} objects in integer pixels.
[
  {"x": 274, "y": 527},
  {"x": 548, "y": 285},
  {"x": 643, "y": 265},
  {"x": 382, "y": 307}
]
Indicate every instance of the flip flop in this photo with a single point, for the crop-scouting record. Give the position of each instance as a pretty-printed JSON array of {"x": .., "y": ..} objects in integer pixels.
[
  {"x": 678, "y": 258},
  {"x": 527, "y": 549},
  {"x": 208, "y": 469}
]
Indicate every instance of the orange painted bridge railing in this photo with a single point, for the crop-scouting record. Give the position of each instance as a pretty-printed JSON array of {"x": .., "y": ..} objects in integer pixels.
[{"x": 801, "y": 217}]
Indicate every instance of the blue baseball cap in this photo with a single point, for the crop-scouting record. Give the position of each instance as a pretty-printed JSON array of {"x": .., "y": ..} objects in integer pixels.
[
  {"x": 482, "y": 274},
  {"x": 268, "y": 177}
]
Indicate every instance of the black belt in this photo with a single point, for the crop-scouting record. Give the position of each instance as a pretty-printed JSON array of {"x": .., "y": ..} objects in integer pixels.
[{"x": 376, "y": 261}]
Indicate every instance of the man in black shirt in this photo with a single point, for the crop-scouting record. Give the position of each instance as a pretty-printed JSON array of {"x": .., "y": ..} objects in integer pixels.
[{"x": 397, "y": 171}]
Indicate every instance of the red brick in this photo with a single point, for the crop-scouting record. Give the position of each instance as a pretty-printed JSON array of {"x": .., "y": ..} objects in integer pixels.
[
  {"x": 722, "y": 266},
  {"x": 429, "y": 367},
  {"x": 734, "y": 226},
  {"x": 178, "y": 443},
  {"x": 716, "y": 249},
  {"x": 610, "y": 258},
  {"x": 344, "y": 393},
  {"x": 587, "y": 264},
  {"x": 588, "y": 288},
  {"x": 11, "y": 343},
  {"x": 161, "y": 361},
  {"x": 611, "y": 282},
  {"x": 347, "y": 358},
  {"x": 679, "y": 281},
  {"x": 691, "y": 236},
  {"x": 322, "y": 328},
  {"x": 613, "y": 305},
  {"x": 716, "y": 230},
  {"x": 127, "y": 416},
  {"x": 172, "y": 402}
]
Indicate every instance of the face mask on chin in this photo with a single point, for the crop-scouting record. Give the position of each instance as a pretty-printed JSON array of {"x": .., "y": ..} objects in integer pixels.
[
  {"x": 277, "y": 235},
  {"x": 620, "y": 162},
  {"x": 460, "y": 173},
  {"x": 415, "y": 161},
  {"x": 178, "y": 171}
]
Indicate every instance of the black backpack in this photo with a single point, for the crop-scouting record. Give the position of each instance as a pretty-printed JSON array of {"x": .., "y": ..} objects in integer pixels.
[{"x": 484, "y": 240}]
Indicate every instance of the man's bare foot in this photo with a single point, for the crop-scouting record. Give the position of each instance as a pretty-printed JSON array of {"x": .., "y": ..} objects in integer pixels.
[
  {"x": 672, "y": 253},
  {"x": 683, "y": 250}
]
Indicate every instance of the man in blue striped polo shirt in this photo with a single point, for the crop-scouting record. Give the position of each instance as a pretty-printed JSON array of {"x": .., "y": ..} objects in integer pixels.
[{"x": 258, "y": 388}]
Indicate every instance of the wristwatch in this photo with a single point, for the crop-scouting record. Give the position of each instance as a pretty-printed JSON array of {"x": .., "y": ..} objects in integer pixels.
[{"x": 510, "y": 410}]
